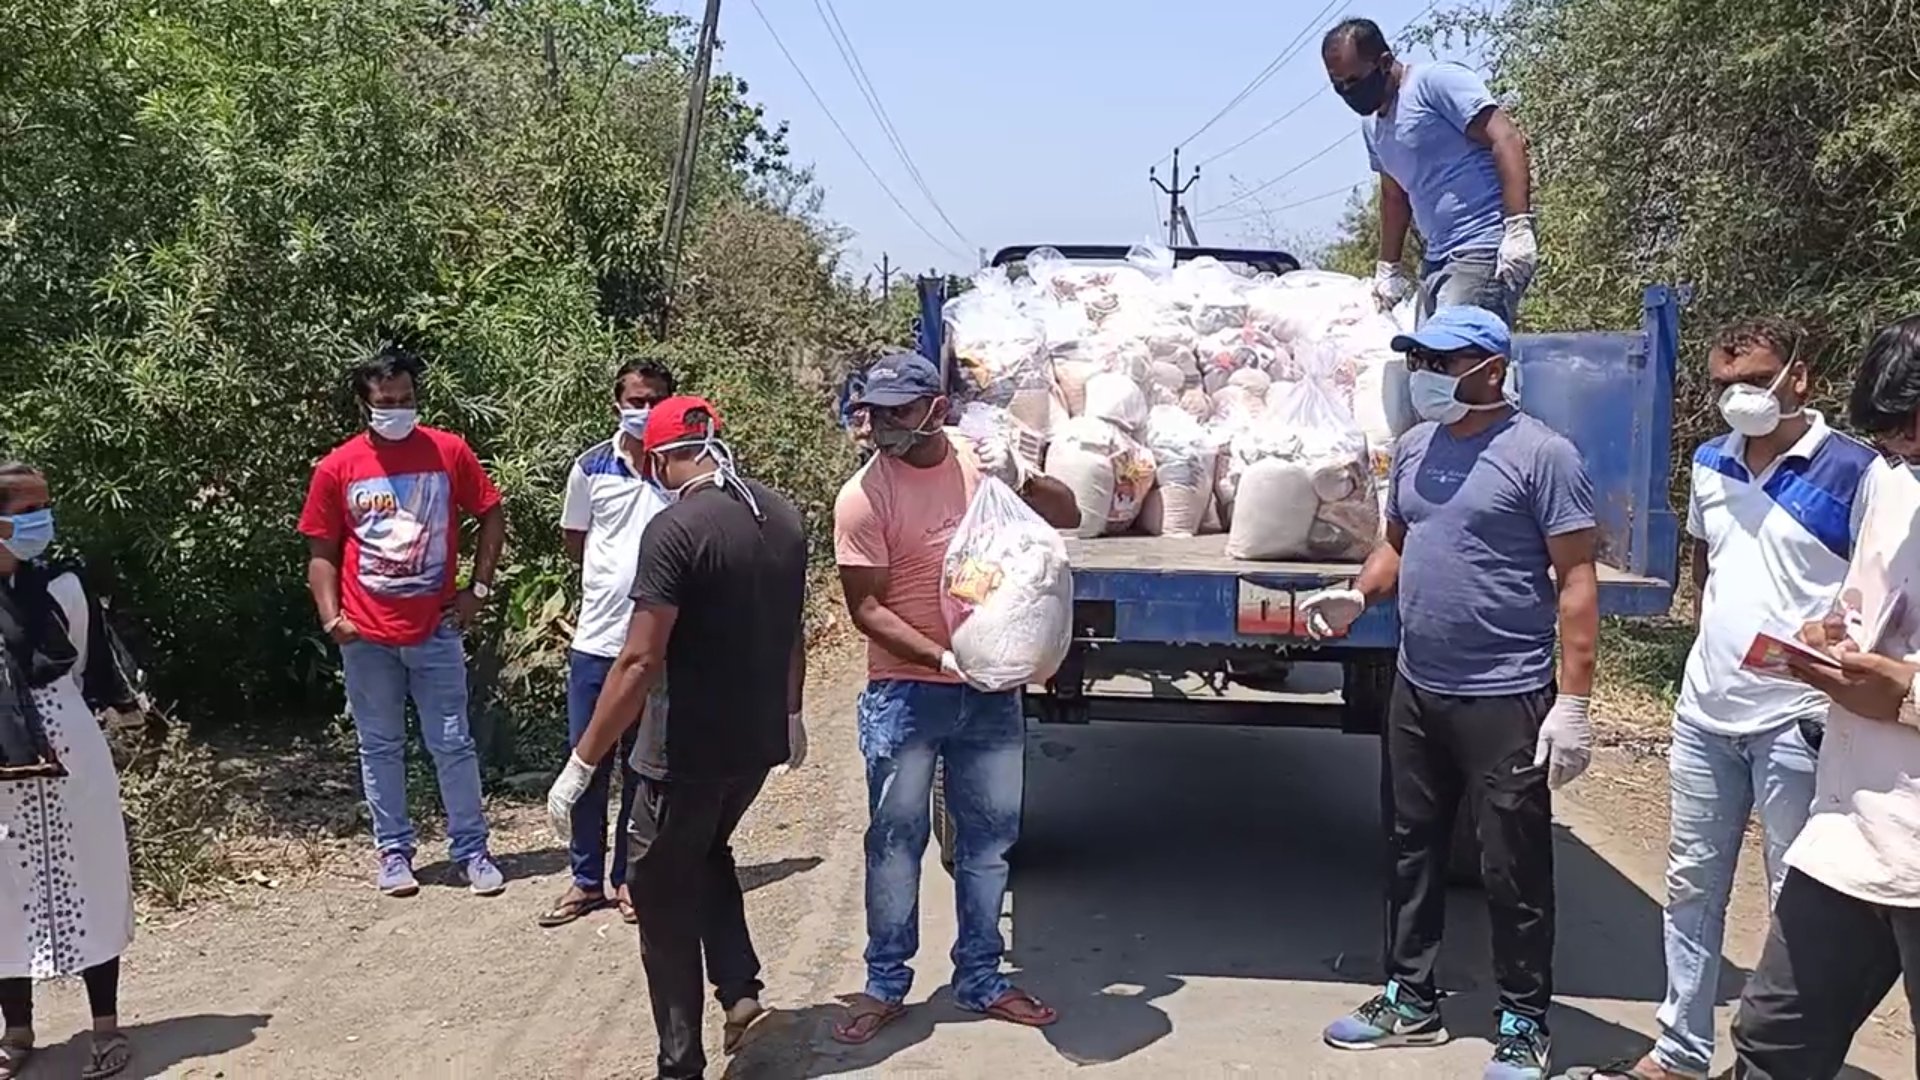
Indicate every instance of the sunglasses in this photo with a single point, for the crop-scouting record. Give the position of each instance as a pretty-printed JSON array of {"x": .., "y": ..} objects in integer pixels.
[{"x": 1431, "y": 360}]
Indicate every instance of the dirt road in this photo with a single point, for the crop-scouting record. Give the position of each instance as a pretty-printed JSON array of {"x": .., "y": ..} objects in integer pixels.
[{"x": 1198, "y": 902}]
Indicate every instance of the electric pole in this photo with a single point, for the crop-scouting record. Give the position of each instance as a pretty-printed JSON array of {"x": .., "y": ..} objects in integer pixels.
[
  {"x": 886, "y": 278},
  {"x": 1176, "y": 215},
  {"x": 681, "y": 180}
]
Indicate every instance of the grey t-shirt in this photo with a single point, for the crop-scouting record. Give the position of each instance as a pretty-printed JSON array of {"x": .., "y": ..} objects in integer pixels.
[{"x": 1477, "y": 607}]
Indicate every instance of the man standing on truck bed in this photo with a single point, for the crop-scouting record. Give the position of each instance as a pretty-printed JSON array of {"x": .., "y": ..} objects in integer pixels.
[
  {"x": 1451, "y": 163},
  {"x": 891, "y": 526},
  {"x": 1773, "y": 513},
  {"x": 1486, "y": 509}
]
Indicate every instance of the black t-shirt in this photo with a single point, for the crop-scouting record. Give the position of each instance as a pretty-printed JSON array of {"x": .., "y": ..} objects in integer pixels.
[{"x": 739, "y": 586}]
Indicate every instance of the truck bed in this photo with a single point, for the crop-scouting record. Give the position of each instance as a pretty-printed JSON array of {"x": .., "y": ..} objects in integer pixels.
[{"x": 1208, "y": 555}]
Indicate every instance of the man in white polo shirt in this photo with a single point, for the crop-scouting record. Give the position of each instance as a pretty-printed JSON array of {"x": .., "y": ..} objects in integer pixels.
[
  {"x": 607, "y": 506},
  {"x": 1846, "y": 925},
  {"x": 1772, "y": 517}
]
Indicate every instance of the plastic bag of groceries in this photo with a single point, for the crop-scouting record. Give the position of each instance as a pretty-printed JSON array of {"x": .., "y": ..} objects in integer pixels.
[
  {"x": 1184, "y": 454},
  {"x": 979, "y": 422},
  {"x": 1108, "y": 472},
  {"x": 1006, "y": 592},
  {"x": 998, "y": 346},
  {"x": 1305, "y": 486}
]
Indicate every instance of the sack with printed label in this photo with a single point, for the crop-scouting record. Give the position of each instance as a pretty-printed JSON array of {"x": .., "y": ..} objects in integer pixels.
[{"x": 1006, "y": 592}]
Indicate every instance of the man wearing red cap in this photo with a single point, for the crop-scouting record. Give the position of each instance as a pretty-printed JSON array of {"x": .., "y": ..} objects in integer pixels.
[
  {"x": 892, "y": 523},
  {"x": 718, "y": 599}
]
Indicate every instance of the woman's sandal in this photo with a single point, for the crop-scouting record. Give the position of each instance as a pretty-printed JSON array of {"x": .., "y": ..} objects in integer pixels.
[
  {"x": 111, "y": 1053},
  {"x": 570, "y": 910},
  {"x": 14, "y": 1054},
  {"x": 1016, "y": 1006},
  {"x": 867, "y": 1017}
]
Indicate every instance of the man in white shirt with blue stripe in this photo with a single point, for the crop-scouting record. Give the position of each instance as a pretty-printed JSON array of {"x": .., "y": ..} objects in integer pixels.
[
  {"x": 1773, "y": 514},
  {"x": 608, "y": 505}
]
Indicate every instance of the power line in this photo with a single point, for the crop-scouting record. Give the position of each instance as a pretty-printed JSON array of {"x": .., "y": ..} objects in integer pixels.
[
  {"x": 1287, "y": 52},
  {"x": 849, "y": 56},
  {"x": 851, "y": 145},
  {"x": 1251, "y": 192},
  {"x": 1343, "y": 189}
]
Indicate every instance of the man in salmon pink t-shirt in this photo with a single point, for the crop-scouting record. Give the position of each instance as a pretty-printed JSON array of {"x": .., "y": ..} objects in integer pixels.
[
  {"x": 383, "y": 532},
  {"x": 892, "y": 523}
]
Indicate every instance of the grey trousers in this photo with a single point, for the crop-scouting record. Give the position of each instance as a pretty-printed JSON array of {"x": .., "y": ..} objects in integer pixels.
[{"x": 1465, "y": 278}]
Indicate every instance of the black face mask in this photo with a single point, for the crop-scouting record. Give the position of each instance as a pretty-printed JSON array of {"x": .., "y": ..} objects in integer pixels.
[{"x": 1366, "y": 95}]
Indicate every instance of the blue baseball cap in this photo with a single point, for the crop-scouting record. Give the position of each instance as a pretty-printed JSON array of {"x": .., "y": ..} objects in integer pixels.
[
  {"x": 898, "y": 379},
  {"x": 1459, "y": 327}
]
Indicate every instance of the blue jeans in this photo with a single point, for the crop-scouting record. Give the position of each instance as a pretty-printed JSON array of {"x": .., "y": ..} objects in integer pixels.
[
  {"x": 904, "y": 727},
  {"x": 380, "y": 679},
  {"x": 1717, "y": 781},
  {"x": 1467, "y": 279},
  {"x": 586, "y": 674}
]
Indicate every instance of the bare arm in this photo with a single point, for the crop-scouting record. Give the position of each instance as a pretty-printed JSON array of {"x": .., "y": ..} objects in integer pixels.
[
  {"x": 1396, "y": 215},
  {"x": 323, "y": 577},
  {"x": 1700, "y": 571},
  {"x": 1494, "y": 129},
  {"x": 493, "y": 536},
  {"x": 1380, "y": 578},
  {"x": 1053, "y": 501},
  {"x": 1573, "y": 569},
  {"x": 864, "y": 586},
  {"x": 635, "y": 672},
  {"x": 575, "y": 541}
]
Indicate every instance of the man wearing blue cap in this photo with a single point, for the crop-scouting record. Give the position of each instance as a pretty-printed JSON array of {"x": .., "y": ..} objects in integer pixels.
[
  {"x": 892, "y": 523},
  {"x": 1490, "y": 530}
]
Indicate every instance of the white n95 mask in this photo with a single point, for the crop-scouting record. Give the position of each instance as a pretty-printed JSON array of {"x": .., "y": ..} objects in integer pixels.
[{"x": 1751, "y": 411}]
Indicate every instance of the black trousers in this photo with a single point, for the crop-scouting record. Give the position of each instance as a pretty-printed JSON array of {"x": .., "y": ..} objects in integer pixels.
[
  {"x": 103, "y": 995},
  {"x": 686, "y": 893},
  {"x": 1829, "y": 962},
  {"x": 1439, "y": 749}
]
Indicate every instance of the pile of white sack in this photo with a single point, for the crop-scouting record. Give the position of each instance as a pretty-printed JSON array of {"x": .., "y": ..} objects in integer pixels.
[
  {"x": 1006, "y": 592},
  {"x": 1175, "y": 400}
]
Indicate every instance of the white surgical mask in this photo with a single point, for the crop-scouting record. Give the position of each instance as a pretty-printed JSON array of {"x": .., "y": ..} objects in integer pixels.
[
  {"x": 393, "y": 424},
  {"x": 1434, "y": 395},
  {"x": 634, "y": 421},
  {"x": 1754, "y": 412}
]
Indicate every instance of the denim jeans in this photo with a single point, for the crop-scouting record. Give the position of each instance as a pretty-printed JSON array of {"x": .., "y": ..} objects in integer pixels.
[
  {"x": 904, "y": 727},
  {"x": 1466, "y": 279},
  {"x": 1716, "y": 782},
  {"x": 380, "y": 679},
  {"x": 586, "y": 674}
]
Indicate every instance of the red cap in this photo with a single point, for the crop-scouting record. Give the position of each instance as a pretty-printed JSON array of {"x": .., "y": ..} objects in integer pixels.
[{"x": 680, "y": 419}]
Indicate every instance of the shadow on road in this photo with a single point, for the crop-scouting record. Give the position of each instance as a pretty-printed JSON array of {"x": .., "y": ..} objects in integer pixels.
[{"x": 158, "y": 1046}]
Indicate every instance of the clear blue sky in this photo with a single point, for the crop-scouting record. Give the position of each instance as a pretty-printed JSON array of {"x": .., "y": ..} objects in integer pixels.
[{"x": 1035, "y": 120}]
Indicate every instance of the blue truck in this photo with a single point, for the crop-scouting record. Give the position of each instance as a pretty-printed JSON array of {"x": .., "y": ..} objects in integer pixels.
[{"x": 1170, "y": 629}]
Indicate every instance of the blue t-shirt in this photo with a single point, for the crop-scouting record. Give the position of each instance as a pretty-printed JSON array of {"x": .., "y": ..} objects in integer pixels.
[
  {"x": 1422, "y": 143},
  {"x": 1477, "y": 605}
]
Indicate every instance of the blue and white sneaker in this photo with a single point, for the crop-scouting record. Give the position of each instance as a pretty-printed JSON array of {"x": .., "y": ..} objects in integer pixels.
[
  {"x": 396, "y": 874},
  {"x": 483, "y": 877},
  {"x": 1387, "y": 1021},
  {"x": 1521, "y": 1053}
]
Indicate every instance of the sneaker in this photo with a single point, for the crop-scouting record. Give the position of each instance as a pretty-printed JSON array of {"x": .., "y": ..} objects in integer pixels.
[
  {"x": 396, "y": 874},
  {"x": 1387, "y": 1021},
  {"x": 483, "y": 877},
  {"x": 1521, "y": 1053}
]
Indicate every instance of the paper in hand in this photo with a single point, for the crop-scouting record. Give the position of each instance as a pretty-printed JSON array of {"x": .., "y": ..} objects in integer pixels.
[{"x": 1769, "y": 652}]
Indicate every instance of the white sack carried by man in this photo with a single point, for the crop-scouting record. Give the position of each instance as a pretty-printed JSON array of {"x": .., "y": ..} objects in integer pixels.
[{"x": 1006, "y": 592}]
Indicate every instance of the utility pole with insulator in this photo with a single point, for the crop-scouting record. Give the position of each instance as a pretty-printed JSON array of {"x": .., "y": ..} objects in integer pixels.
[
  {"x": 1176, "y": 216},
  {"x": 680, "y": 182}
]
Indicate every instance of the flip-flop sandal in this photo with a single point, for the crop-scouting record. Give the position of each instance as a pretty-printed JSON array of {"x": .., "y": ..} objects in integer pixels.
[
  {"x": 734, "y": 1033},
  {"x": 566, "y": 911},
  {"x": 110, "y": 1055},
  {"x": 866, "y": 1019},
  {"x": 627, "y": 914},
  {"x": 1002, "y": 1009}
]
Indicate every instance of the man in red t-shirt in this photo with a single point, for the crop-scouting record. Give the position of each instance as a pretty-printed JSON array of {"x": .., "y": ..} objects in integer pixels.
[{"x": 384, "y": 540}]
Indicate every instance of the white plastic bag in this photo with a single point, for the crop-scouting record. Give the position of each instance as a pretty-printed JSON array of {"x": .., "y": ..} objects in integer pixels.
[
  {"x": 1107, "y": 471},
  {"x": 1183, "y": 481},
  {"x": 1006, "y": 592},
  {"x": 998, "y": 344},
  {"x": 1116, "y": 399},
  {"x": 1305, "y": 487}
]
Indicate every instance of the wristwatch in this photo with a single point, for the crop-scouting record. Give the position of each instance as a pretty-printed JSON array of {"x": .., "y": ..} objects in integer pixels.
[{"x": 480, "y": 590}]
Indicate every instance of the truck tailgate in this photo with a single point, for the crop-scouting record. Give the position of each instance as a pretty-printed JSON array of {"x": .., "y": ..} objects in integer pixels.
[{"x": 1186, "y": 590}]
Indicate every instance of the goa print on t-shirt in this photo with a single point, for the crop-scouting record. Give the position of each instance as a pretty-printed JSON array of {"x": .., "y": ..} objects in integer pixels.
[{"x": 402, "y": 524}]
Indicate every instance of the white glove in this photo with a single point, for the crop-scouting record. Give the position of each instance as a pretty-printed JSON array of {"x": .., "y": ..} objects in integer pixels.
[
  {"x": 1330, "y": 612},
  {"x": 566, "y": 790},
  {"x": 796, "y": 744},
  {"x": 1519, "y": 254},
  {"x": 1566, "y": 741},
  {"x": 998, "y": 460},
  {"x": 951, "y": 666},
  {"x": 1390, "y": 284}
]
